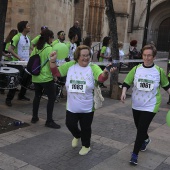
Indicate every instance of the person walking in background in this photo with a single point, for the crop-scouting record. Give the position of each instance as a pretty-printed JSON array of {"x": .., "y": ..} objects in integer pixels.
[
  {"x": 35, "y": 40},
  {"x": 122, "y": 55},
  {"x": 60, "y": 39},
  {"x": 87, "y": 41},
  {"x": 44, "y": 81},
  {"x": 80, "y": 82},
  {"x": 20, "y": 50},
  {"x": 134, "y": 53},
  {"x": 105, "y": 54},
  {"x": 71, "y": 45},
  {"x": 7, "y": 54},
  {"x": 76, "y": 29},
  {"x": 146, "y": 98}
]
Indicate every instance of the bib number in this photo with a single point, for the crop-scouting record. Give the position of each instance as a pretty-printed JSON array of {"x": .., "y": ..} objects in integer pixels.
[
  {"x": 77, "y": 86},
  {"x": 145, "y": 85}
]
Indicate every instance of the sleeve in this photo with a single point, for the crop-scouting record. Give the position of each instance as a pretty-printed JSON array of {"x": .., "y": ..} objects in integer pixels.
[
  {"x": 130, "y": 76},
  {"x": 96, "y": 71},
  {"x": 103, "y": 50},
  {"x": 164, "y": 80},
  {"x": 35, "y": 40},
  {"x": 15, "y": 40},
  {"x": 63, "y": 69}
]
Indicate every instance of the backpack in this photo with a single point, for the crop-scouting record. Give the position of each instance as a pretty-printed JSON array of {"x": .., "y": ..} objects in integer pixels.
[
  {"x": 34, "y": 64},
  {"x": 98, "y": 55}
]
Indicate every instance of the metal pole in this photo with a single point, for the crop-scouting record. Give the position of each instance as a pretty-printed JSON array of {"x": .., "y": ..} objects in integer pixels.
[{"x": 146, "y": 23}]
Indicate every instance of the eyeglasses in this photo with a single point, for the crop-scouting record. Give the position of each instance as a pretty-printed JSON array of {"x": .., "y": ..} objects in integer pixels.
[
  {"x": 26, "y": 39},
  {"x": 62, "y": 34},
  {"x": 149, "y": 55},
  {"x": 84, "y": 56}
]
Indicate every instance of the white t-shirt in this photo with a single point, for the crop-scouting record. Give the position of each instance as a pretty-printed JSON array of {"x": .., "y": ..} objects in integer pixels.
[
  {"x": 72, "y": 50},
  {"x": 23, "y": 47},
  {"x": 146, "y": 90},
  {"x": 121, "y": 54},
  {"x": 107, "y": 53},
  {"x": 84, "y": 75}
]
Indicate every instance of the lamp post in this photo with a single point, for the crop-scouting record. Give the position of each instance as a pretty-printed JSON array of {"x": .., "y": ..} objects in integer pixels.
[{"x": 146, "y": 23}]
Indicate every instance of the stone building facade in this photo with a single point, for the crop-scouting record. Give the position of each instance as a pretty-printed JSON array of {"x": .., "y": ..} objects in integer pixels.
[{"x": 61, "y": 14}]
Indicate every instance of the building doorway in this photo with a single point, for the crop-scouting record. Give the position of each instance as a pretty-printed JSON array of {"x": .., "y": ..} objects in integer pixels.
[{"x": 163, "y": 41}]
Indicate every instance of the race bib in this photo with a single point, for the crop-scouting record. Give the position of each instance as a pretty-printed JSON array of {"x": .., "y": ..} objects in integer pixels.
[
  {"x": 77, "y": 86},
  {"x": 145, "y": 85}
]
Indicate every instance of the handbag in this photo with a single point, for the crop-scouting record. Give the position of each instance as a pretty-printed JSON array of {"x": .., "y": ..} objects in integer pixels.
[
  {"x": 98, "y": 98},
  {"x": 34, "y": 64}
]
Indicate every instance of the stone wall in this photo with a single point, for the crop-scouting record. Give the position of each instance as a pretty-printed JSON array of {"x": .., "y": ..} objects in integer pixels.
[
  {"x": 61, "y": 14},
  {"x": 57, "y": 15}
]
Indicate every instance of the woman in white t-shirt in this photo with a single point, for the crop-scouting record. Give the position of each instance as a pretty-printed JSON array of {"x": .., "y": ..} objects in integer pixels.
[
  {"x": 146, "y": 98},
  {"x": 122, "y": 55},
  {"x": 81, "y": 79},
  {"x": 71, "y": 45}
]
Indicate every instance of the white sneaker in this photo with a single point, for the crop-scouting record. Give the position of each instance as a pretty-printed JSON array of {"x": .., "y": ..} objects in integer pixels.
[
  {"x": 75, "y": 142},
  {"x": 84, "y": 150},
  {"x": 45, "y": 97}
]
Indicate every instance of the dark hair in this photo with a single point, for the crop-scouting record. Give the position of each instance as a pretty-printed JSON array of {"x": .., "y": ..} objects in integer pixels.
[
  {"x": 11, "y": 34},
  {"x": 44, "y": 38},
  {"x": 21, "y": 25},
  {"x": 78, "y": 50},
  {"x": 87, "y": 41},
  {"x": 44, "y": 28},
  {"x": 150, "y": 47},
  {"x": 59, "y": 32},
  {"x": 133, "y": 43},
  {"x": 71, "y": 35},
  {"x": 106, "y": 41}
]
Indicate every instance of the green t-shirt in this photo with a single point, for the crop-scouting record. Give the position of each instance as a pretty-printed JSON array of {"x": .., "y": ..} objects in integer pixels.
[
  {"x": 45, "y": 74},
  {"x": 103, "y": 50},
  {"x": 35, "y": 40},
  {"x": 15, "y": 41},
  {"x": 6, "y": 49},
  {"x": 63, "y": 69},
  {"x": 55, "y": 42}
]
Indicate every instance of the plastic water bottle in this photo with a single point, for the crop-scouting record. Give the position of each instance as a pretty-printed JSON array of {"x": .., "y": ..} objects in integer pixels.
[{"x": 18, "y": 123}]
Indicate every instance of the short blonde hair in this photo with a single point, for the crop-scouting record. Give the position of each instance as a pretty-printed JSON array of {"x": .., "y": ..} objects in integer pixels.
[
  {"x": 120, "y": 44},
  {"x": 150, "y": 47},
  {"x": 78, "y": 50}
]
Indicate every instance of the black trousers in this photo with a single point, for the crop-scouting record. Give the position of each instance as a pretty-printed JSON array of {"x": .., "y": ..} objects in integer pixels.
[
  {"x": 49, "y": 88},
  {"x": 25, "y": 80},
  {"x": 85, "y": 121},
  {"x": 142, "y": 121}
]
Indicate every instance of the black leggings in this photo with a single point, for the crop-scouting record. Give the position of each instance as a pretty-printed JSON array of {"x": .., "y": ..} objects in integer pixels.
[
  {"x": 49, "y": 88},
  {"x": 142, "y": 121},
  {"x": 85, "y": 121}
]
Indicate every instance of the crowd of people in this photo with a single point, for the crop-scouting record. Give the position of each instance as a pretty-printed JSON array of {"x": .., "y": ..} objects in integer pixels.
[{"x": 81, "y": 77}]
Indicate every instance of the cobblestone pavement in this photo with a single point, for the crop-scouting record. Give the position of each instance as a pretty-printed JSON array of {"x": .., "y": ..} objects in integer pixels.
[{"x": 113, "y": 133}]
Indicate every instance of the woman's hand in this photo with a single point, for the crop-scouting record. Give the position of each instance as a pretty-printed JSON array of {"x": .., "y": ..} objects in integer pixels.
[
  {"x": 123, "y": 96},
  {"x": 53, "y": 56}
]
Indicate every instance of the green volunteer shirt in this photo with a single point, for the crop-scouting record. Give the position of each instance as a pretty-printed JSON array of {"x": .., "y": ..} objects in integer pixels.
[
  {"x": 103, "y": 50},
  {"x": 6, "y": 49},
  {"x": 45, "y": 74},
  {"x": 35, "y": 40}
]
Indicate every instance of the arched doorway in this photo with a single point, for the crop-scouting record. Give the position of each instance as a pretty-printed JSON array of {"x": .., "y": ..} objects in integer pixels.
[{"x": 163, "y": 41}]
